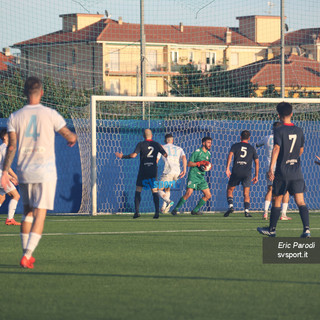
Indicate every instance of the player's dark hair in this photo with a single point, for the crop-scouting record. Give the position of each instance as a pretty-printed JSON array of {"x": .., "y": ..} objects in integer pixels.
[
  {"x": 32, "y": 86},
  {"x": 205, "y": 139},
  {"x": 3, "y": 132},
  {"x": 245, "y": 134},
  {"x": 168, "y": 136},
  {"x": 284, "y": 109},
  {"x": 276, "y": 124}
]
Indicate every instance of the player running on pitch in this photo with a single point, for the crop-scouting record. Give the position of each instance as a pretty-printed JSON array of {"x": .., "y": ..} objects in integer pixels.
[
  {"x": 198, "y": 162},
  {"x": 148, "y": 150},
  {"x": 267, "y": 142},
  {"x": 243, "y": 154},
  {"x": 171, "y": 171},
  {"x": 288, "y": 147}
]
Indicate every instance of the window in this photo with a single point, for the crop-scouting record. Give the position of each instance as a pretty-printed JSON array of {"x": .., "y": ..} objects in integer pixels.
[
  {"x": 114, "y": 60},
  {"x": 234, "y": 59},
  {"x": 49, "y": 57},
  {"x": 174, "y": 56},
  {"x": 114, "y": 87},
  {"x": 190, "y": 56},
  {"x": 151, "y": 60},
  {"x": 73, "y": 56},
  {"x": 210, "y": 58},
  {"x": 152, "y": 88}
]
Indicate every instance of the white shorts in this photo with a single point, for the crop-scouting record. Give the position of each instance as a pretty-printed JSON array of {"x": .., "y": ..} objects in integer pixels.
[
  {"x": 38, "y": 195},
  {"x": 170, "y": 177},
  {"x": 10, "y": 188}
]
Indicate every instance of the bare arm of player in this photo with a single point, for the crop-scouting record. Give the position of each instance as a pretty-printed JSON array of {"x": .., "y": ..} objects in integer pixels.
[
  {"x": 301, "y": 151},
  {"x": 69, "y": 136},
  {"x": 184, "y": 164},
  {"x": 228, "y": 172},
  {"x": 10, "y": 153},
  {"x": 255, "y": 178},
  {"x": 120, "y": 155},
  {"x": 274, "y": 157},
  {"x": 13, "y": 177}
]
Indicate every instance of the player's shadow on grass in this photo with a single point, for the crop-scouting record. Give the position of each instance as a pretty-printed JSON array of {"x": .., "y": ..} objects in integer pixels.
[{"x": 110, "y": 275}]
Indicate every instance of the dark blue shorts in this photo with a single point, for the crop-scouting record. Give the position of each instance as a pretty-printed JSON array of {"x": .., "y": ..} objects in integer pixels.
[
  {"x": 235, "y": 180},
  {"x": 280, "y": 187}
]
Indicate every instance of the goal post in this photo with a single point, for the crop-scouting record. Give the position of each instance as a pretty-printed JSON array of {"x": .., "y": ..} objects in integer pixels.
[{"x": 116, "y": 124}]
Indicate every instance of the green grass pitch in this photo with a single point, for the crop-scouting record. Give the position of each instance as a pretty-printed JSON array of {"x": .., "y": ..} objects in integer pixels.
[{"x": 183, "y": 267}]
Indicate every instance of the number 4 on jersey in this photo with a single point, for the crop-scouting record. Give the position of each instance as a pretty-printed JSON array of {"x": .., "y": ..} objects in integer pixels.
[{"x": 32, "y": 128}]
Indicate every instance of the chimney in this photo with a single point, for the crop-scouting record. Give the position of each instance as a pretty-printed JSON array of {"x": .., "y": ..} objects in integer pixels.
[
  {"x": 269, "y": 54},
  {"x": 120, "y": 21},
  {"x": 228, "y": 36},
  {"x": 7, "y": 52},
  {"x": 181, "y": 27}
]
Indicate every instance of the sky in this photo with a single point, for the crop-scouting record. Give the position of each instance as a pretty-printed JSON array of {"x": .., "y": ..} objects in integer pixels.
[{"x": 22, "y": 20}]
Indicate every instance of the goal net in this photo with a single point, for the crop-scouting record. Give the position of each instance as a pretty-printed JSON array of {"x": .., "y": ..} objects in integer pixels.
[{"x": 117, "y": 125}]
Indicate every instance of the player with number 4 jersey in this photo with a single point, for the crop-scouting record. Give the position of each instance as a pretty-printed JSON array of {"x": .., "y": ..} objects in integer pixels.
[{"x": 32, "y": 129}]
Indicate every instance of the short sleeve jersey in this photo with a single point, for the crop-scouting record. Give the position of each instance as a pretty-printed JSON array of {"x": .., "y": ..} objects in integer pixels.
[
  {"x": 243, "y": 155},
  {"x": 148, "y": 151},
  {"x": 172, "y": 162},
  {"x": 196, "y": 156},
  {"x": 267, "y": 143},
  {"x": 35, "y": 126},
  {"x": 3, "y": 150},
  {"x": 290, "y": 139}
]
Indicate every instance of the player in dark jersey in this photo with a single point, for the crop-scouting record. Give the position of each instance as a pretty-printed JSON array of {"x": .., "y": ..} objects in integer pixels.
[
  {"x": 148, "y": 150},
  {"x": 243, "y": 155},
  {"x": 288, "y": 147}
]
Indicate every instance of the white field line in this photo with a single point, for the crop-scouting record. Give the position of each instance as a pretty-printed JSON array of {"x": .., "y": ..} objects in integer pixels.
[{"x": 143, "y": 232}]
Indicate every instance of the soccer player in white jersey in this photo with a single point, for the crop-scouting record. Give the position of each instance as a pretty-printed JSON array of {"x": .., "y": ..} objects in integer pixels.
[
  {"x": 11, "y": 189},
  {"x": 33, "y": 129},
  {"x": 267, "y": 143},
  {"x": 171, "y": 172}
]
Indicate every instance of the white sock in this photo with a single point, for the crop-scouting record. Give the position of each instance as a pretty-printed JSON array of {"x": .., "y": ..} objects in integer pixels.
[
  {"x": 24, "y": 240},
  {"x": 284, "y": 209},
  {"x": 266, "y": 206},
  {"x": 12, "y": 208},
  {"x": 164, "y": 196},
  {"x": 33, "y": 241}
]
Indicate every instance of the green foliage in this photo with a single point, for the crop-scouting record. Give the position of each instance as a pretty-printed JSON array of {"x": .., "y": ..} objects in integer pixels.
[
  {"x": 216, "y": 83},
  {"x": 57, "y": 95},
  {"x": 271, "y": 92}
]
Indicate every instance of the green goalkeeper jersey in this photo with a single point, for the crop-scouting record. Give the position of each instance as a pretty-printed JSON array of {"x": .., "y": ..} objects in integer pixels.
[{"x": 198, "y": 155}]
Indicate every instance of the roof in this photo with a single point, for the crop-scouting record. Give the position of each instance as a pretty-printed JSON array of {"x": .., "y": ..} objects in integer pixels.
[
  {"x": 6, "y": 61},
  {"x": 301, "y": 37},
  {"x": 111, "y": 30},
  {"x": 299, "y": 71}
]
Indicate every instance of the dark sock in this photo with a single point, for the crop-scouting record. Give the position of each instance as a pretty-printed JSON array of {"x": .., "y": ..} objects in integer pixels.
[
  {"x": 246, "y": 206},
  {"x": 156, "y": 201},
  {"x": 180, "y": 203},
  {"x": 137, "y": 199},
  {"x": 304, "y": 215},
  {"x": 230, "y": 202},
  {"x": 199, "y": 205},
  {"x": 274, "y": 217}
]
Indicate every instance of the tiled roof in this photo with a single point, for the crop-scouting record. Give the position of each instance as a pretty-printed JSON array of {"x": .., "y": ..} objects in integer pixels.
[
  {"x": 300, "y": 37},
  {"x": 111, "y": 30},
  {"x": 6, "y": 61},
  {"x": 299, "y": 71}
]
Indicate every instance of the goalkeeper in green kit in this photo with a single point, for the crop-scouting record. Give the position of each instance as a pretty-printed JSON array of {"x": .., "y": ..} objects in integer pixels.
[{"x": 199, "y": 164}]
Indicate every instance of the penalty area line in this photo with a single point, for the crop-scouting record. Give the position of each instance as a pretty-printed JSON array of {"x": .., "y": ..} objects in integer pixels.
[{"x": 143, "y": 232}]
